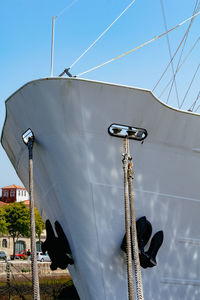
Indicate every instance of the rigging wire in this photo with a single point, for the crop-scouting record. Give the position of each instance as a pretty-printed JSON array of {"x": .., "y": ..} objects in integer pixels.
[
  {"x": 198, "y": 96},
  {"x": 102, "y": 34},
  {"x": 26, "y": 277},
  {"x": 174, "y": 53},
  {"x": 196, "y": 9},
  {"x": 190, "y": 86},
  {"x": 186, "y": 57},
  {"x": 66, "y": 8},
  {"x": 169, "y": 48},
  {"x": 16, "y": 288},
  {"x": 194, "y": 103},
  {"x": 53, "y": 29},
  {"x": 138, "y": 47}
]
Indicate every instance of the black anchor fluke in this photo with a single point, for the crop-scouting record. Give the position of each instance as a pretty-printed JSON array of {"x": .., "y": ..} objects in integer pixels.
[
  {"x": 148, "y": 258},
  {"x": 144, "y": 231},
  {"x": 57, "y": 247}
]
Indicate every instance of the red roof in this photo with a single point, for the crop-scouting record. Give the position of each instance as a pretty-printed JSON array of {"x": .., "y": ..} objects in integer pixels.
[{"x": 13, "y": 186}]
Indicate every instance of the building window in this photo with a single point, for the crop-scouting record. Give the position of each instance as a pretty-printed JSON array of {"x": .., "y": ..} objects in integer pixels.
[
  {"x": 4, "y": 243},
  {"x": 18, "y": 193},
  {"x": 12, "y": 193},
  {"x": 5, "y": 193},
  {"x": 38, "y": 246},
  {"x": 24, "y": 193},
  {"x": 20, "y": 246}
]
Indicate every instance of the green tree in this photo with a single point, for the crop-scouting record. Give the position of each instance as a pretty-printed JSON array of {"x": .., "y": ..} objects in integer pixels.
[
  {"x": 3, "y": 225},
  {"x": 18, "y": 221},
  {"x": 39, "y": 224}
]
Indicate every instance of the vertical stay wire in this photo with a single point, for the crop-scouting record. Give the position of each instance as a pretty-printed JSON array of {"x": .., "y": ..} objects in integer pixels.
[
  {"x": 196, "y": 9},
  {"x": 186, "y": 33},
  {"x": 169, "y": 47},
  {"x": 186, "y": 57},
  {"x": 102, "y": 34}
]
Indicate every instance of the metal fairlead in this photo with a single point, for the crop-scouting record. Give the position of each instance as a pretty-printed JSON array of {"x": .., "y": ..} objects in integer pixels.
[{"x": 125, "y": 131}]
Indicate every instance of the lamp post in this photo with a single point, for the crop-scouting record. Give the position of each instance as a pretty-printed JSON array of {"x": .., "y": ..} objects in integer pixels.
[{"x": 29, "y": 138}]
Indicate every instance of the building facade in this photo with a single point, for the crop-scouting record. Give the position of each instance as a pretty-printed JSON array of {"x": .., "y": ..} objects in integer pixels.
[
  {"x": 10, "y": 194},
  {"x": 14, "y": 193},
  {"x": 22, "y": 244}
]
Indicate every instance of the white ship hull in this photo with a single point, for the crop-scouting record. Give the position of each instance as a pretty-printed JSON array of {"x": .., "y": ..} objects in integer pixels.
[{"x": 78, "y": 180}]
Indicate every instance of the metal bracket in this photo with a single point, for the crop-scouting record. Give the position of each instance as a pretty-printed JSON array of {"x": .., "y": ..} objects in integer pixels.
[
  {"x": 125, "y": 131},
  {"x": 28, "y": 139},
  {"x": 66, "y": 71}
]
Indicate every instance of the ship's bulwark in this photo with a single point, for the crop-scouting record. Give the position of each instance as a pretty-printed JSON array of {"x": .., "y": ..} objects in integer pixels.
[{"x": 78, "y": 180}]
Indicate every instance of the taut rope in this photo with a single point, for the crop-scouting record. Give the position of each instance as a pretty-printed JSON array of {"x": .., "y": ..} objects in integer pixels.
[
  {"x": 131, "y": 235},
  {"x": 137, "y": 268},
  {"x": 127, "y": 224}
]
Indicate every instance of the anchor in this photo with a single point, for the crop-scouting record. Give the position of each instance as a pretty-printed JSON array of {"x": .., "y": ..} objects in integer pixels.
[
  {"x": 57, "y": 247},
  {"x": 144, "y": 231}
]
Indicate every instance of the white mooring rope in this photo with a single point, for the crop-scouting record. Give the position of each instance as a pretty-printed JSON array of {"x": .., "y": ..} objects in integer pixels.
[
  {"x": 131, "y": 238},
  {"x": 127, "y": 224}
]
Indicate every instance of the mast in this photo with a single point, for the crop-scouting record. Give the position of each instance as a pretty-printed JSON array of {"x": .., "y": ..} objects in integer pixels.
[{"x": 52, "y": 44}]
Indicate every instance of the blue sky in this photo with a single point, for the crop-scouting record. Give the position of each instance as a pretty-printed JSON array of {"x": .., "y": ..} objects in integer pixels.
[{"x": 26, "y": 46}]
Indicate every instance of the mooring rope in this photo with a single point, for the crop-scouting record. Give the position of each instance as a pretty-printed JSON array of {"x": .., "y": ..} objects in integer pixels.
[
  {"x": 127, "y": 224},
  {"x": 138, "y": 47},
  {"x": 34, "y": 267},
  {"x": 137, "y": 268}
]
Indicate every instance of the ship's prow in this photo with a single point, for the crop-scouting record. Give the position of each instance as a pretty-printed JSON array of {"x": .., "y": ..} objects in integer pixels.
[{"x": 79, "y": 180}]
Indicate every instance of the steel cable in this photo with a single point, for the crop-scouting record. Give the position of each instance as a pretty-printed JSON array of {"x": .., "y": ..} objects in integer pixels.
[
  {"x": 169, "y": 47},
  {"x": 102, "y": 34},
  {"x": 186, "y": 57},
  {"x": 195, "y": 102},
  {"x": 138, "y": 47},
  {"x": 196, "y": 9},
  {"x": 190, "y": 86}
]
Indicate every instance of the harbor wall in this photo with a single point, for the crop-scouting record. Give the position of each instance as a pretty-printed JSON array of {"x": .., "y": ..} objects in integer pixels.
[{"x": 23, "y": 269}]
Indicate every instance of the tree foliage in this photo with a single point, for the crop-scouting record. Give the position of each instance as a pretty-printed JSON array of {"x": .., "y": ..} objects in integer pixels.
[
  {"x": 17, "y": 219},
  {"x": 39, "y": 224},
  {"x": 3, "y": 224}
]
